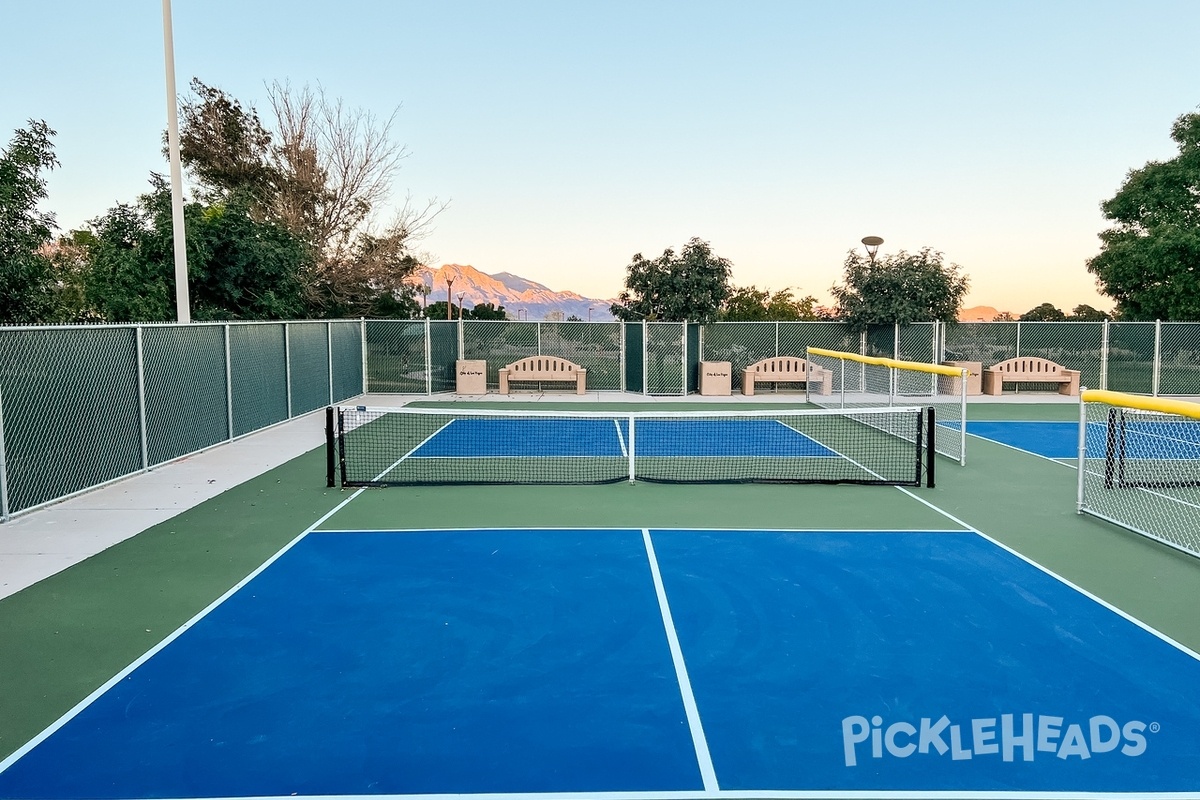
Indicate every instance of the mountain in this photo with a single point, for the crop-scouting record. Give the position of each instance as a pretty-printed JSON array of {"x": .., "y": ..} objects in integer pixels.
[
  {"x": 515, "y": 293},
  {"x": 978, "y": 314}
]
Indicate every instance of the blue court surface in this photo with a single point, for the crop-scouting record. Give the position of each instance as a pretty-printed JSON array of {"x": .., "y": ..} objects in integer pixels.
[
  {"x": 476, "y": 437},
  {"x": 664, "y": 663},
  {"x": 1060, "y": 440}
]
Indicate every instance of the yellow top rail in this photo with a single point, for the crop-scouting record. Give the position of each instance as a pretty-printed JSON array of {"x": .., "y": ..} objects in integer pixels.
[
  {"x": 1162, "y": 405},
  {"x": 916, "y": 366}
]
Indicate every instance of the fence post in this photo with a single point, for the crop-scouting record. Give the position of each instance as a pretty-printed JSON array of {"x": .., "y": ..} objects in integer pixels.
[
  {"x": 624, "y": 384},
  {"x": 3, "y": 467},
  {"x": 362, "y": 335},
  {"x": 141, "y": 380},
  {"x": 896, "y": 340},
  {"x": 462, "y": 344},
  {"x": 228, "y": 383},
  {"x": 328, "y": 357},
  {"x": 428, "y": 359},
  {"x": 1018, "y": 353},
  {"x": 287, "y": 364},
  {"x": 1104, "y": 357},
  {"x": 645, "y": 358},
  {"x": 1157, "y": 355},
  {"x": 777, "y": 338},
  {"x": 683, "y": 366}
]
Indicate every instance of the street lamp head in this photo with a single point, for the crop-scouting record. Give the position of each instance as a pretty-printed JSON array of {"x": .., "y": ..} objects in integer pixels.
[{"x": 872, "y": 244}]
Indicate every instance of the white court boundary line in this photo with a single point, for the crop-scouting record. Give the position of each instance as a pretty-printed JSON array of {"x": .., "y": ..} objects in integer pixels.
[{"x": 699, "y": 741}]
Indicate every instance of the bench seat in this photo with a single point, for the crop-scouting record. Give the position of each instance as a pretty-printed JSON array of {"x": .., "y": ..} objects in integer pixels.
[
  {"x": 1029, "y": 369},
  {"x": 544, "y": 369},
  {"x": 787, "y": 369}
]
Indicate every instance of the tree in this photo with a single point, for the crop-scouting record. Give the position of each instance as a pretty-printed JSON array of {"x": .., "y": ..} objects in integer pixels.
[
  {"x": 1046, "y": 312},
  {"x": 751, "y": 304},
  {"x": 1085, "y": 313},
  {"x": 322, "y": 174},
  {"x": 899, "y": 288},
  {"x": 24, "y": 230},
  {"x": 486, "y": 311},
  {"x": 1149, "y": 259},
  {"x": 689, "y": 286},
  {"x": 238, "y": 268}
]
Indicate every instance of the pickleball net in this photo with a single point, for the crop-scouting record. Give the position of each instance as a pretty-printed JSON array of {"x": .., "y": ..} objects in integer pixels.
[
  {"x": 1139, "y": 465},
  {"x": 425, "y": 446},
  {"x": 850, "y": 380}
]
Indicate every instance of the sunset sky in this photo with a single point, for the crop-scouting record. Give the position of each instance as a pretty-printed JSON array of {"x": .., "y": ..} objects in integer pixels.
[{"x": 568, "y": 136}]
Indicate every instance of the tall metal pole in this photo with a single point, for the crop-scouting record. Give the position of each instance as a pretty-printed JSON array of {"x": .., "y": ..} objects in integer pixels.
[{"x": 183, "y": 308}]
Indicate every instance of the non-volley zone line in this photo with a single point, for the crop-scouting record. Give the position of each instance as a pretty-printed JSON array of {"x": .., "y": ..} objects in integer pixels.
[
  {"x": 482, "y": 437},
  {"x": 537, "y": 663}
]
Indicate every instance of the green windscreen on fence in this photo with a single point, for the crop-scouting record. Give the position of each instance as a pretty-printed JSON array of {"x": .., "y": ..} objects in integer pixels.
[
  {"x": 1179, "y": 358},
  {"x": 308, "y": 357},
  {"x": 347, "y": 358},
  {"x": 498, "y": 343},
  {"x": 258, "y": 374},
  {"x": 635, "y": 351},
  {"x": 187, "y": 407},
  {"x": 71, "y": 418}
]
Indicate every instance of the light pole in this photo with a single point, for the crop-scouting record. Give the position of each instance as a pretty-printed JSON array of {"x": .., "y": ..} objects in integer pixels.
[
  {"x": 449, "y": 302},
  {"x": 461, "y": 295},
  {"x": 872, "y": 244},
  {"x": 589, "y": 313},
  {"x": 183, "y": 304}
]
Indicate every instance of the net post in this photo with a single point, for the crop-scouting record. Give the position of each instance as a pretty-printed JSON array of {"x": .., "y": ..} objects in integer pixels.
[
  {"x": 330, "y": 444},
  {"x": 962, "y": 419},
  {"x": 341, "y": 440},
  {"x": 1110, "y": 448},
  {"x": 632, "y": 449},
  {"x": 1081, "y": 462},
  {"x": 930, "y": 448}
]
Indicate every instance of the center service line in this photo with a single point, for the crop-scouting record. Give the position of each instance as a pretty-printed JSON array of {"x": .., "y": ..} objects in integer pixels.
[{"x": 685, "y": 685}]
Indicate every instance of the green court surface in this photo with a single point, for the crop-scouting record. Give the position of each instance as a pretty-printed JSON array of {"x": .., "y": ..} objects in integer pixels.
[{"x": 67, "y": 635}]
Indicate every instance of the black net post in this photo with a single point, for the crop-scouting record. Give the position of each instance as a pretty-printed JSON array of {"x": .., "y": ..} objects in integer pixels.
[
  {"x": 930, "y": 447},
  {"x": 341, "y": 440},
  {"x": 330, "y": 438}
]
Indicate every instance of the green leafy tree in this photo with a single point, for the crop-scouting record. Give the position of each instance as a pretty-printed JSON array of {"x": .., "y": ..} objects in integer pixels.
[
  {"x": 24, "y": 230},
  {"x": 751, "y": 304},
  {"x": 1085, "y": 313},
  {"x": 899, "y": 288},
  {"x": 1149, "y": 260},
  {"x": 689, "y": 286},
  {"x": 237, "y": 268},
  {"x": 438, "y": 310},
  {"x": 486, "y": 311},
  {"x": 1046, "y": 312}
]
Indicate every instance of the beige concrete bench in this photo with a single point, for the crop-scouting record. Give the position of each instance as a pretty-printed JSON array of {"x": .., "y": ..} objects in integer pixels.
[
  {"x": 1028, "y": 369},
  {"x": 786, "y": 369},
  {"x": 543, "y": 368}
]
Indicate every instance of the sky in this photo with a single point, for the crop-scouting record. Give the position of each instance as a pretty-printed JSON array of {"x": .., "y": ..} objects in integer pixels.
[{"x": 569, "y": 136}]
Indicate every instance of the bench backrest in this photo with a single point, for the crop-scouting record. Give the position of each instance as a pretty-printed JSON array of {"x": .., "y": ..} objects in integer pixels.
[
  {"x": 543, "y": 365},
  {"x": 781, "y": 365},
  {"x": 1029, "y": 365}
]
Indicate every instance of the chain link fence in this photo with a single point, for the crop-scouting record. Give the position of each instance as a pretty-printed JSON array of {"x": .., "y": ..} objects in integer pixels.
[{"x": 82, "y": 406}]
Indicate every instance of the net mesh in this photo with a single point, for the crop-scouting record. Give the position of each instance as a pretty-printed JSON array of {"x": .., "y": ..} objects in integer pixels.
[
  {"x": 855, "y": 384},
  {"x": 1141, "y": 470},
  {"x": 384, "y": 447}
]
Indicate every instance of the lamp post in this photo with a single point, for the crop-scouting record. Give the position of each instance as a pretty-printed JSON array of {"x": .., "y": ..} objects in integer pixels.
[
  {"x": 872, "y": 244},
  {"x": 589, "y": 313},
  {"x": 449, "y": 302},
  {"x": 461, "y": 295}
]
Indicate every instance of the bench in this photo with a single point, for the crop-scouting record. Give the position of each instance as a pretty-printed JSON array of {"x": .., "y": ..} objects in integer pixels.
[
  {"x": 1028, "y": 369},
  {"x": 543, "y": 368},
  {"x": 786, "y": 369}
]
